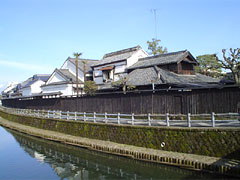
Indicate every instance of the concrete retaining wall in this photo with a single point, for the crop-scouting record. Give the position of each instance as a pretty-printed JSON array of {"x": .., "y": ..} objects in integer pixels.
[{"x": 216, "y": 142}]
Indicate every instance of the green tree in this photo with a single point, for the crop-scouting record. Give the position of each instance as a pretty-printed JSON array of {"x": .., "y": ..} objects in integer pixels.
[
  {"x": 122, "y": 82},
  {"x": 154, "y": 47},
  {"x": 232, "y": 62},
  {"x": 90, "y": 87},
  {"x": 209, "y": 65}
]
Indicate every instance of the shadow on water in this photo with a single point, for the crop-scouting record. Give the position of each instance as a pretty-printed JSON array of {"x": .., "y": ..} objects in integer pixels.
[{"x": 70, "y": 162}]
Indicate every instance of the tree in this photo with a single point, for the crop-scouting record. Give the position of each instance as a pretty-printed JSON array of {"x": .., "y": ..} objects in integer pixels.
[
  {"x": 90, "y": 87},
  {"x": 232, "y": 62},
  {"x": 154, "y": 47},
  {"x": 208, "y": 65},
  {"x": 122, "y": 82}
]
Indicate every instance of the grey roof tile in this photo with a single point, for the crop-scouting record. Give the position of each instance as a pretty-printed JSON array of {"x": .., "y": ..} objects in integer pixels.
[
  {"x": 89, "y": 63},
  {"x": 32, "y": 80},
  {"x": 67, "y": 75},
  {"x": 145, "y": 76},
  {"x": 117, "y": 56},
  {"x": 161, "y": 59}
]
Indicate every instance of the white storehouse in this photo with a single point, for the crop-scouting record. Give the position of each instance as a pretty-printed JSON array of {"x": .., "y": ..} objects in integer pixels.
[
  {"x": 33, "y": 86},
  {"x": 6, "y": 93},
  {"x": 113, "y": 65},
  {"x": 63, "y": 81}
]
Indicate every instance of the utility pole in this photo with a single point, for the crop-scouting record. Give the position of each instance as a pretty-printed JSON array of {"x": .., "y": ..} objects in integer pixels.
[{"x": 76, "y": 62}]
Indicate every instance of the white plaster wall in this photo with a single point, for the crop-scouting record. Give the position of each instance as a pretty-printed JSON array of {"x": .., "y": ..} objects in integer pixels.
[
  {"x": 97, "y": 73},
  {"x": 36, "y": 87},
  {"x": 98, "y": 80},
  {"x": 120, "y": 69},
  {"x": 112, "y": 64},
  {"x": 55, "y": 78},
  {"x": 134, "y": 58},
  {"x": 26, "y": 91},
  {"x": 72, "y": 68},
  {"x": 117, "y": 77},
  {"x": 65, "y": 89}
]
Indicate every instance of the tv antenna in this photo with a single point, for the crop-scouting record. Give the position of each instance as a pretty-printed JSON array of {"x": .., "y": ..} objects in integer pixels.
[{"x": 154, "y": 11}]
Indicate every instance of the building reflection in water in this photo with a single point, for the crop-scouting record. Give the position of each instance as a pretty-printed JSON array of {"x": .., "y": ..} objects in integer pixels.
[{"x": 75, "y": 163}]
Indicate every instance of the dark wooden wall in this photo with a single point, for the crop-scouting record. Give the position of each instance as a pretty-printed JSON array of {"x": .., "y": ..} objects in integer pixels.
[{"x": 195, "y": 101}]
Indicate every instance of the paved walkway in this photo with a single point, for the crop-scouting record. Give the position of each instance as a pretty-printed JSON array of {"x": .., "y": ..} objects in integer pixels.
[{"x": 93, "y": 144}]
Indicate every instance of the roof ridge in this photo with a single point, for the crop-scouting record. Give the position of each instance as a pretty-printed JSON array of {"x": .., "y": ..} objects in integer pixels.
[
  {"x": 84, "y": 59},
  {"x": 162, "y": 55},
  {"x": 122, "y": 51},
  {"x": 61, "y": 73}
]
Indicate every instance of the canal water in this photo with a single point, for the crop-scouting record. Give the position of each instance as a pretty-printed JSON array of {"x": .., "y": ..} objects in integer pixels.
[{"x": 24, "y": 157}]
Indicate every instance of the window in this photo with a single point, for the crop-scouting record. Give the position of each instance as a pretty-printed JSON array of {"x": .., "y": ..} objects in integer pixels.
[{"x": 107, "y": 75}]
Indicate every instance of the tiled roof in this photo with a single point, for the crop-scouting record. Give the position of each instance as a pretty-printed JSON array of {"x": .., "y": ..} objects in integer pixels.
[
  {"x": 161, "y": 59},
  {"x": 89, "y": 63},
  {"x": 35, "y": 78},
  {"x": 67, "y": 75},
  {"x": 145, "y": 76},
  {"x": 117, "y": 56}
]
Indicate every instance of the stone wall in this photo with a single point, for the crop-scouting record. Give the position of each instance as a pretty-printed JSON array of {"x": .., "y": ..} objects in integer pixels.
[{"x": 219, "y": 142}]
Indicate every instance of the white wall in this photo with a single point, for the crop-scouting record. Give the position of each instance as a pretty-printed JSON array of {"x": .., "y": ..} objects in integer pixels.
[
  {"x": 117, "y": 77},
  {"x": 134, "y": 58},
  {"x": 72, "y": 68},
  {"x": 55, "y": 78},
  {"x": 98, "y": 80},
  {"x": 120, "y": 69},
  {"x": 36, "y": 87},
  {"x": 65, "y": 89},
  {"x": 97, "y": 73},
  {"x": 26, "y": 91}
]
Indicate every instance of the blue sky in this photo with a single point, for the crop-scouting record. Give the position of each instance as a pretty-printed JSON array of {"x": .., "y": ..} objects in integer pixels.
[{"x": 37, "y": 36}]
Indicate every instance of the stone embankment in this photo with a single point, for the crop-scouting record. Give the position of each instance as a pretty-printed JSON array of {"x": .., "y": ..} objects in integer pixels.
[{"x": 183, "y": 160}]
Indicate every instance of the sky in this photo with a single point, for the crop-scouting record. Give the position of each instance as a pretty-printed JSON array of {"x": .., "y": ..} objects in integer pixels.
[{"x": 37, "y": 36}]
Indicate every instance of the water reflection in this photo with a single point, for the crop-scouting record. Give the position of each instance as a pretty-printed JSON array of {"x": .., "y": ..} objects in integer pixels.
[{"x": 74, "y": 163}]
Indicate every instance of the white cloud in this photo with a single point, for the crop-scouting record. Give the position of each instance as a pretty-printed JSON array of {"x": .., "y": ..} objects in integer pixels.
[{"x": 24, "y": 66}]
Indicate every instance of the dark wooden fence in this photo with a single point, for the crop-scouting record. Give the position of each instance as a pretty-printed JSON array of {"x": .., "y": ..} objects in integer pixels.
[{"x": 197, "y": 101}]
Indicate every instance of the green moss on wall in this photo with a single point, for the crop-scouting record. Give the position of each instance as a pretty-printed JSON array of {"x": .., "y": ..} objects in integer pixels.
[{"x": 209, "y": 141}]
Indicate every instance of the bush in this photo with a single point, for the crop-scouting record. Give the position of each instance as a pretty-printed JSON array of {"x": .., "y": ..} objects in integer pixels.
[{"x": 90, "y": 88}]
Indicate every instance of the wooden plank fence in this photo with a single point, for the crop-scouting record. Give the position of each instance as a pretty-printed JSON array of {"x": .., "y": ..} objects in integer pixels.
[{"x": 198, "y": 101}]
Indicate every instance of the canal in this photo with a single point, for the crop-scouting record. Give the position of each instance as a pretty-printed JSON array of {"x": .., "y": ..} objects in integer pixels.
[{"x": 25, "y": 157}]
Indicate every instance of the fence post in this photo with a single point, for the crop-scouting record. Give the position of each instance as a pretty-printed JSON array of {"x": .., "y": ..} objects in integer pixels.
[
  {"x": 118, "y": 118},
  {"x": 189, "y": 119},
  {"x": 149, "y": 119},
  {"x": 38, "y": 113},
  {"x": 167, "y": 119},
  {"x": 84, "y": 116},
  {"x": 94, "y": 117},
  {"x": 60, "y": 115},
  {"x": 54, "y": 114},
  {"x": 75, "y": 116},
  {"x": 105, "y": 117},
  {"x": 213, "y": 119},
  {"x": 67, "y": 115},
  {"x": 48, "y": 115},
  {"x": 132, "y": 118}
]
